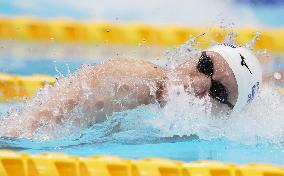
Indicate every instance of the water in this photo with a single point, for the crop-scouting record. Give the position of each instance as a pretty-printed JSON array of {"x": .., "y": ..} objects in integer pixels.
[{"x": 181, "y": 130}]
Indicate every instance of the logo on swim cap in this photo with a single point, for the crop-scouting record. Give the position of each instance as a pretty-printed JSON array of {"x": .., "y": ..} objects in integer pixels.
[
  {"x": 243, "y": 63},
  {"x": 254, "y": 90},
  {"x": 230, "y": 45}
]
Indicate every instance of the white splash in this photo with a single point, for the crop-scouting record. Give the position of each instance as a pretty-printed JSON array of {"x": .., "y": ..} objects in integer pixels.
[
  {"x": 262, "y": 120},
  {"x": 184, "y": 114}
]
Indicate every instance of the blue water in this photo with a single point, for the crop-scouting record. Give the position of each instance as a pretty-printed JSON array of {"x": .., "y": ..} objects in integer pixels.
[
  {"x": 26, "y": 66},
  {"x": 187, "y": 150}
]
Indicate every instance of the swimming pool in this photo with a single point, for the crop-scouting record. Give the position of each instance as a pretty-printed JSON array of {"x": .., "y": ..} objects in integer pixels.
[{"x": 149, "y": 131}]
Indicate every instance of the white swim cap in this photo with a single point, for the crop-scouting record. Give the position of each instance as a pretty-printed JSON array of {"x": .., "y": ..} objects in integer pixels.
[{"x": 247, "y": 71}]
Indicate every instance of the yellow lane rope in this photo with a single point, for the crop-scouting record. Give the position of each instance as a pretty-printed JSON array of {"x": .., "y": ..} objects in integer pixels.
[
  {"x": 14, "y": 87},
  {"x": 57, "y": 164},
  {"x": 66, "y": 30}
]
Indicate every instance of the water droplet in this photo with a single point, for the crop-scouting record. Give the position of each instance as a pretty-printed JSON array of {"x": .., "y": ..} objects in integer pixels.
[
  {"x": 277, "y": 75},
  {"x": 253, "y": 41}
]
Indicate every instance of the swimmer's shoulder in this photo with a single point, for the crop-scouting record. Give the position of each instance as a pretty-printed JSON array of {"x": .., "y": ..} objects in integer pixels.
[
  {"x": 125, "y": 61},
  {"x": 123, "y": 67}
]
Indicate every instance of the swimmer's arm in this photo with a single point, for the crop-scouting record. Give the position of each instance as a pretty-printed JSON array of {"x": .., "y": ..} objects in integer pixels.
[
  {"x": 53, "y": 106},
  {"x": 70, "y": 92},
  {"x": 60, "y": 99},
  {"x": 73, "y": 91}
]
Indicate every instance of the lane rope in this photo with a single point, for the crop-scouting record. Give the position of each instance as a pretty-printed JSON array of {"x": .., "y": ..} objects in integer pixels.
[
  {"x": 103, "y": 32},
  {"x": 58, "y": 164}
]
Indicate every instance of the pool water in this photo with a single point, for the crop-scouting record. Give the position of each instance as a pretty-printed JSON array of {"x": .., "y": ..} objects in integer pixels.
[
  {"x": 175, "y": 132},
  {"x": 136, "y": 144}
]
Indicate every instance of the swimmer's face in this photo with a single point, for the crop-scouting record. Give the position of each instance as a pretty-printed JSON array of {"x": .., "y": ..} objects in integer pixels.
[{"x": 198, "y": 83}]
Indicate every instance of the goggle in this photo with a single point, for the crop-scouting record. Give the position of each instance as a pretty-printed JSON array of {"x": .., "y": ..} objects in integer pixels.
[{"x": 217, "y": 90}]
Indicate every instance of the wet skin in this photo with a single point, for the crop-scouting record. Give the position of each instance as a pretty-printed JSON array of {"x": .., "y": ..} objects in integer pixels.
[{"x": 118, "y": 85}]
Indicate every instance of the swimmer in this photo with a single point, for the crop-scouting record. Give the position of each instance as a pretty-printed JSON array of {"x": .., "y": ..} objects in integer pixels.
[{"x": 230, "y": 76}]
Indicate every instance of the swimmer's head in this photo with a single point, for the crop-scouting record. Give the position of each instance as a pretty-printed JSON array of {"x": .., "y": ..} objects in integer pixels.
[
  {"x": 230, "y": 75},
  {"x": 247, "y": 72}
]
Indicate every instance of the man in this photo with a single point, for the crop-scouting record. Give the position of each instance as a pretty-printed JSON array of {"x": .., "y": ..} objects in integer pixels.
[{"x": 230, "y": 75}]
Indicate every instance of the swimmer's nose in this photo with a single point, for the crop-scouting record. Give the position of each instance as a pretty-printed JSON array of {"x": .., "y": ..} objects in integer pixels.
[{"x": 201, "y": 85}]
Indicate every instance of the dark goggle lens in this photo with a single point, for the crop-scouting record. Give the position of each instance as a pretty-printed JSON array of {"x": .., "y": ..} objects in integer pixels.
[
  {"x": 205, "y": 64},
  {"x": 219, "y": 92}
]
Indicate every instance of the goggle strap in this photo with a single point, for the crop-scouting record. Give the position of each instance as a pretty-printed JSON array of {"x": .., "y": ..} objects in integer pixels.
[{"x": 229, "y": 104}]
